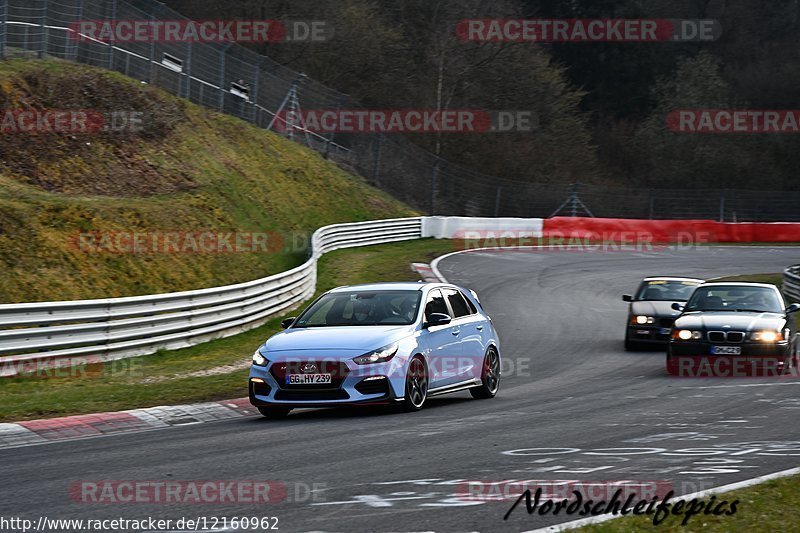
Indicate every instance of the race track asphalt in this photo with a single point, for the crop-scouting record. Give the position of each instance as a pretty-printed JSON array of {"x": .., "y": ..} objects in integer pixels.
[{"x": 573, "y": 405}]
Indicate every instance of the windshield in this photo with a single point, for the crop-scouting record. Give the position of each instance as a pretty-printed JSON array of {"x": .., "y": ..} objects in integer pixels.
[
  {"x": 362, "y": 308},
  {"x": 733, "y": 298},
  {"x": 666, "y": 290}
]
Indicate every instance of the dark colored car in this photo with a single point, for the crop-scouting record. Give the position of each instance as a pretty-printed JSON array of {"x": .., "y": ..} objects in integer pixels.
[
  {"x": 736, "y": 326},
  {"x": 650, "y": 313}
]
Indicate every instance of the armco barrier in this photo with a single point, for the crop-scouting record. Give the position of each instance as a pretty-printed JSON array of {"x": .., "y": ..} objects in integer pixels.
[
  {"x": 791, "y": 283},
  {"x": 115, "y": 328},
  {"x": 669, "y": 231},
  {"x": 64, "y": 333}
]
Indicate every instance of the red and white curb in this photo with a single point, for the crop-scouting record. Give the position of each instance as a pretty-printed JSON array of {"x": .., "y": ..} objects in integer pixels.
[{"x": 33, "y": 432}]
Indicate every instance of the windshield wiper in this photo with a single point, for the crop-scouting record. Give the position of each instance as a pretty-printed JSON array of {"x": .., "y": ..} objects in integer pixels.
[{"x": 752, "y": 310}]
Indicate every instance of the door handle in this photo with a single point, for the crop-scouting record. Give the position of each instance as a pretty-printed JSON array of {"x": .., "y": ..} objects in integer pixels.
[
  {"x": 479, "y": 328},
  {"x": 455, "y": 331}
]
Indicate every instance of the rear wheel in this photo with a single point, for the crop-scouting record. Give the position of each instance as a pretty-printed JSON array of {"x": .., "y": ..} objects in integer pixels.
[
  {"x": 490, "y": 377},
  {"x": 274, "y": 412},
  {"x": 416, "y": 385}
]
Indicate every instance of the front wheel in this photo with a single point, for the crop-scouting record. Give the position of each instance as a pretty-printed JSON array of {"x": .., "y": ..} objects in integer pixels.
[
  {"x": 416, "y": 385},
  {"x": 490, "y": 377},
  {"x": 274, "y": 412}
]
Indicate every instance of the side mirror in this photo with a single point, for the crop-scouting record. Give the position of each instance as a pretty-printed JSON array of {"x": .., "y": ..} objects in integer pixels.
[
  {"x": 676, "y": 306},
  {"x": 627, "y": 298},
  {"x": 792, "y": 309},
  {"x": 286, "y": 322},
  {"x": 438, "y": 319}
]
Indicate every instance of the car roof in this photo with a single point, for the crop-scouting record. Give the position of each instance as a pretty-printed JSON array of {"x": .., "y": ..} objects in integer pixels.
[
  {"x": 390, "y": 286},
  {"x": 672, "y": 278},
  {"x": 739, "y": 284}
]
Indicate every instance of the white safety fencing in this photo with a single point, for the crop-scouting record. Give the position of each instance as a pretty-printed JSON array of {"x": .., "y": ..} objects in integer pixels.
[
  {"x": 477, "y": 228},
  {"x": 66, "y": 333},
  {"x": 791, "y": 283}
]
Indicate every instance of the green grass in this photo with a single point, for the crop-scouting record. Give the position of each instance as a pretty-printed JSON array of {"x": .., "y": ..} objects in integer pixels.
[
  {"x": 189, "y": 170},
  {"x": 133, "y": 382},
  {"x": 770, "y": 506}
]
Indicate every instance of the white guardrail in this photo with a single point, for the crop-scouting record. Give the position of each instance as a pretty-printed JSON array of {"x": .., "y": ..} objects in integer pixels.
[
  {"x": 791, "y": 283},
  {"x": 66, "y": 333},
  {"x": 72, "y": 332}
]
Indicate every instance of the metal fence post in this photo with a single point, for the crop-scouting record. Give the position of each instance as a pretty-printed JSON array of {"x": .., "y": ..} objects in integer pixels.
[
  {"x": 652, "y": 203},
  {"x": 222, "y": 78},
  {"x": 43, "y": 49},
  {"x": 76, "y": 34},
  {"x": 111, "y": 44},
  {"x": 188, "y": 76},
  {"x": 3, "y": 28},
  {"x": 152, "y": 52},
  {"x": 376, "y": 167},
  {"x": 722, "y": 206},
  {"x": 253, "y": 97},
  {"x": 497, "y": 202}
]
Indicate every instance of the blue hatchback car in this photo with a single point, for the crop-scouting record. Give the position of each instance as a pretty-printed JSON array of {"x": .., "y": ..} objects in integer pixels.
[{"x": 377, "y": 344}]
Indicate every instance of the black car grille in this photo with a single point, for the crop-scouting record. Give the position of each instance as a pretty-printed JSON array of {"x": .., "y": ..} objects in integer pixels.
[
  {"x": 337, "y": 369},
  {"x": 373, "y": 386},
  {"x": 726, "y": 336},
  {"x": 311, "y": 395},
  {"x": 260, "y": 389},
  {"x": 735, "y": 336},
  {"x": 666, "y": 322}
]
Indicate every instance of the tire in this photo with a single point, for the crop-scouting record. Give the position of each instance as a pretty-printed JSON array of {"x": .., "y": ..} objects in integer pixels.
[
  {"x": 416, "y": 385},
  {"x": 490, "y": 377},
  {"x": 274, "y": 412}
]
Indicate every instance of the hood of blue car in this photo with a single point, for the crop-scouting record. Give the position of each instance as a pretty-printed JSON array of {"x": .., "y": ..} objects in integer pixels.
[{"x": 355, "y": 338}]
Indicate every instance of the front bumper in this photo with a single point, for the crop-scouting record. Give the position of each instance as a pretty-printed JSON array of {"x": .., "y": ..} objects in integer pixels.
[
  {"x": 352, "y": 384},
  {"x": 648, "y": 333},
  {"x": 694, "y": 359}
]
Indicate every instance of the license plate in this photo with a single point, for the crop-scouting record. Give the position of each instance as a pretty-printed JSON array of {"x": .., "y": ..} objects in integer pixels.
[
  {"x": 726, "y": 350},
  {"x": 665, "y": 331},
  {"x": 308, "y": 379}
]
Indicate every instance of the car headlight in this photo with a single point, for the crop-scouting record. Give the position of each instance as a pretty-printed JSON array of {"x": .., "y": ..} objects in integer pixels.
[
  {"x": 642, "y": 319},
  {"x": 766, "y": 336},
  {"x": 380, "y": 355},
  {"x": 259, "y": 360},
  {"x": 687, "y": 335}
]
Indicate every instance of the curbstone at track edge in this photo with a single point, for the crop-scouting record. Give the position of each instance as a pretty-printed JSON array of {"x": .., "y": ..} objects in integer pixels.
[{"x": 34, "y": 432}]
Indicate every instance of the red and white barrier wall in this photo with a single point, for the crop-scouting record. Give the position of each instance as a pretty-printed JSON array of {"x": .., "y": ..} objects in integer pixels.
[
  {"x": 560, "y": 230},
  {"x": 669, "y": 231}
]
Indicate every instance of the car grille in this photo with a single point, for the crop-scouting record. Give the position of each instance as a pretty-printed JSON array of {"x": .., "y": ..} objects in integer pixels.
[
  {"x": 666, "y": 322},
  {"x": 311, "y": 395},
  {"x": 337, "y": 369},
  {"x": 373, "y": 386},
  {"x": 726, "y": 336},
  {"x": 260, "y": 389}
]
